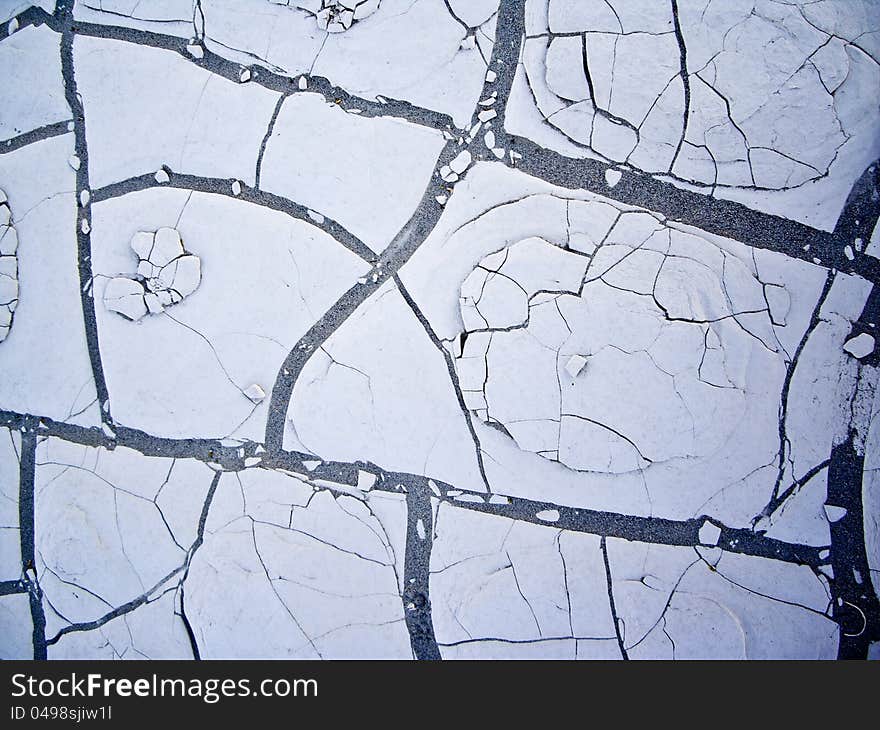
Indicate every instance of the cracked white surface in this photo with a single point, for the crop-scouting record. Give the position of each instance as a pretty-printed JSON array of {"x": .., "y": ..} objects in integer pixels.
[
  {"x": 655, "y": 314},
  {"x": 173, "y": 109},
  {"x": 507, "y": 590},
  {"x": 736, "y": 97},
  {"x": 166, "y": 274},
  {"x": 10, "y": 537},
  {"x": 8, "y": 268},
  {"x": 264, "y": 277},
  {"x": 266, "y": 535},
  {"x": 39, "y": 185},
  {"x": 370, "y": 395},
  {"x": 138, "y": 515},
  {"x": 439, "y": 329},
  {"x": 30, "y": 60},
  {"x": 674, "y": 366},
  {"x": 430, "y": 67},
  {"x": 347, "y": 167}
]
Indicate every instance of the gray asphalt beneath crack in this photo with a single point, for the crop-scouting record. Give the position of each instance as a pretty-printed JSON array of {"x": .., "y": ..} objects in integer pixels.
[{"x": 722, "y": 217}]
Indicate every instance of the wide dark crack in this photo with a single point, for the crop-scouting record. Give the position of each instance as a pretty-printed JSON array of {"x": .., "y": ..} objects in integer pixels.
[{"x": 854, "y": 604}]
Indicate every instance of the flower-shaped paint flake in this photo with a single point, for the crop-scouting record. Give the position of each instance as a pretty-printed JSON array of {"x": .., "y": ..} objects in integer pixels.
[{"x": 166, "y": 274}]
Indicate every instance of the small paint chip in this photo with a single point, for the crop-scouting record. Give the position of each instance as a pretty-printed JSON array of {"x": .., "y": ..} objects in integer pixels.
[
  {"x": 366, "y": 480},
  {"x": 575, "y": 365},
  {"x": 709, "y": 533},
  {"x": 461, "y": 162}
]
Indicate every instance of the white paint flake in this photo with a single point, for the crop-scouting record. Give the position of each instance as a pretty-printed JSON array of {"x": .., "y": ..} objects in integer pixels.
[
  {"x": 461, "y": 162},
  {"x": 860, "y": 346},
  {"x": 709, "y": 533},
  {"x": 366, "y": 480},
  {"x": 575, "y": 364},
  {"x": 196, "y": 50}
]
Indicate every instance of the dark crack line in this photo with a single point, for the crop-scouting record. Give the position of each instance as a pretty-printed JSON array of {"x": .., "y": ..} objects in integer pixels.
[
  {"x": 148, "y": 595},
  {"x": 726, "y": 218},
  {"x": 13, "y": 587},
  {"x": 651, "y": 530},
  {"x": 855, "y": 605},
  {"x": 416, "y": 570},
  {"x": 26, "y": 524},
  {"x": 200, "y": 538},
  {"x": 453, "y": 376},
  {"x": 231, "y": 71},
  {"x": 269, "y": 128},
  {"x": 64, "y": 16},
  {"x": 405, "y": 243},
  {"x": 776, "y": 500},
  {"x": 603, "y": 545},
  {"x": 122, "y": 610},
  {"x": 685, "y": 80},
  {"x": 722, "y": 217},
  {"x": 32, "y": 16},
  {"x": 854, "y": 601},
  {"x": 47, "y": 131},
  {"x": 542, "y": 640},
  {"x": 398, "y": 252}
]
